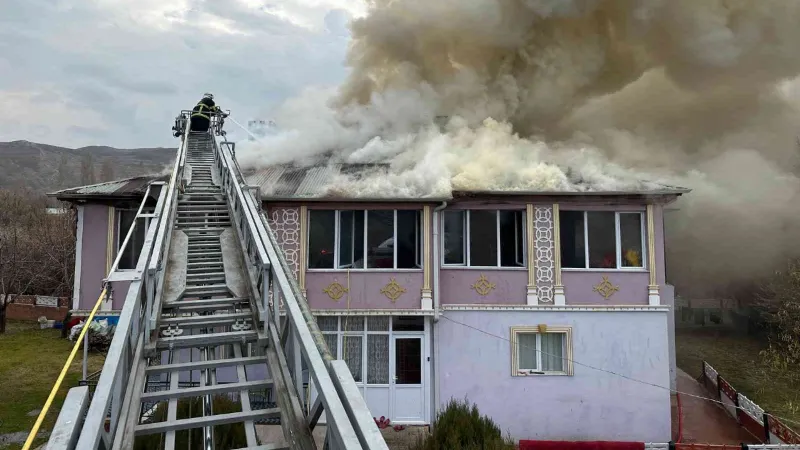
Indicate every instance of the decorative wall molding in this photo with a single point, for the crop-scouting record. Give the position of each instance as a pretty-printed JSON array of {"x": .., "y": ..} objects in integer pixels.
[
  {"x": 370, "y": 312},
  {"x": 483, "y": 286},
  {"x": 605, "y": 288},
  {"x": 285, "y": 223},
  {"x": 532, "y": 296},
  {"x": 393, "y": 290},
  {"x": 303, "y": 247},
  {"x": 335, "y": 290},
  {"x": 552, "y": 308},
  {"x": 545, "y": 261}
]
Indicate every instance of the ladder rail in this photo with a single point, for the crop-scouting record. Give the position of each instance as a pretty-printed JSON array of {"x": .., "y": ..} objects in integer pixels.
[
  {"x": 350, "y": 425},
  {"x": 126, "y": 350}
]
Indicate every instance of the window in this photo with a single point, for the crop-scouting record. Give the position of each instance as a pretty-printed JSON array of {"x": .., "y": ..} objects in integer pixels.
[
  {"x": 362, "y": 342},
  {"x": 602, "y": 240},
  {"x": 130, "y": 254},
  {"x": 346, "y": 239},
  {"x": 484, "y": 238},
  {"x": 541, "y": 350}
]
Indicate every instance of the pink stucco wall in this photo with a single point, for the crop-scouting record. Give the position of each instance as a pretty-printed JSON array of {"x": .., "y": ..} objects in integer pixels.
[
  {"x": 93, "y": 260},
  {"x": 464, "y": 286},
  {"x": 364, "y": 289}
]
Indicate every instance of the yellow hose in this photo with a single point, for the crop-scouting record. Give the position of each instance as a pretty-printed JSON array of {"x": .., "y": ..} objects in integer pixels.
[{"x": 56, "y": 386}]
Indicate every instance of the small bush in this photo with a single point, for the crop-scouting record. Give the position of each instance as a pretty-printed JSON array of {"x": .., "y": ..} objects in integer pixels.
[
  {"x": 225, "y": 436},
  {"x": 461, "y": 427}
]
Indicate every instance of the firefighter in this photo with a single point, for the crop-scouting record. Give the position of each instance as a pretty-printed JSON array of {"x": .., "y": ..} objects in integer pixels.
[{"x": 202, "y": 112}]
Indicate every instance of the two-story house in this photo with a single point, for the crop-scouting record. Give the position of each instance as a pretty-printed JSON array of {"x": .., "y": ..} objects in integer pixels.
[{"x": 550, "y": 310}]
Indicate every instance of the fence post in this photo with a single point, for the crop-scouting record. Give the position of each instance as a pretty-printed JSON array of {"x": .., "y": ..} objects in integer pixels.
[
  {"x": 765, "y": 418},
  {"x": 671, "y": 445}
]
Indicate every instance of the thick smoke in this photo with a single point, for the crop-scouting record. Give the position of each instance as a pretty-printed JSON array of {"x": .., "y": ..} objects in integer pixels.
[{"x": 576, "y": 95}]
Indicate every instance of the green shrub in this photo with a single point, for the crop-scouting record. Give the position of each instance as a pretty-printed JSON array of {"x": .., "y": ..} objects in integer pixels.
[
  {"x": 460, "y": 426},
  {"x": 225, "y": 436}
]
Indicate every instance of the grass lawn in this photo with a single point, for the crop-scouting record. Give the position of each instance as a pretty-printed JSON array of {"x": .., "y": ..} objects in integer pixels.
[
  {"x": 736, "y": 358},
  {"x": 30, "y": 362}
]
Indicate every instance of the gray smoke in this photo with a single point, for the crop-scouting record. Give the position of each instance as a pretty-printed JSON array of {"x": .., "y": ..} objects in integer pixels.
[{"x": 696, "y": 93}]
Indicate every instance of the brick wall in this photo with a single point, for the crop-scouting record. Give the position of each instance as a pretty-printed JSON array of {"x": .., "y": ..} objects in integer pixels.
[{"x": 31, "y": 307}]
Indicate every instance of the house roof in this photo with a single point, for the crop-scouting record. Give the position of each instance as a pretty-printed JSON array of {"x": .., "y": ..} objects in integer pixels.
[
  {"x": 134, "y": 187},
  {"x": 289, "y": 182}
]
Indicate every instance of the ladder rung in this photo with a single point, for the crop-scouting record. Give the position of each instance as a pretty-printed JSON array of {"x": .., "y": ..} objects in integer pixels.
[
  {"x": 160, "y": 396},
  {"x": 210, "y": 364},
  {"x": 232, "y": 317},
  {"x": 230, "y": 301},
  {"x": 200, "y": 422},
  {"x": 208, "y": 339},
  {"x": 205, "y": 274}
]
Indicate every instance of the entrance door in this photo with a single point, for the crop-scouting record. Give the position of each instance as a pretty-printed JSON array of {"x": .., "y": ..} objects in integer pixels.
[{"x": 408, "y": 393}]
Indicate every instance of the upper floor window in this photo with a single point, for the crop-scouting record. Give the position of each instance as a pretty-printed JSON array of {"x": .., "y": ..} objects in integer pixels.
[
  {"x": 365, "y": 239},
  {"x": 484, "y": 238},
  {"x": 130, "y": 254},
  {"x": 602, "y": 240}
]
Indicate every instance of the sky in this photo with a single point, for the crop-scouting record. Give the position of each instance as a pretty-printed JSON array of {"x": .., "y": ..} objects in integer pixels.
[{"x": 117, "y": 72}]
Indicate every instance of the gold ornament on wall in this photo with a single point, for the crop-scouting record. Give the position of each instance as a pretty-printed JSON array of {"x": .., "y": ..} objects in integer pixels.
[
  {"x": 393, "y": 290},
  {"x": 335, "y": 290},
  {"x": 483, "y": 287},
  {"x": 605, "y": 288}
]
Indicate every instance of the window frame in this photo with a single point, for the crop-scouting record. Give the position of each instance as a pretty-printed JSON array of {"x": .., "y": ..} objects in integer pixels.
[
  {"x": 549, "y": 329},
  {"x": 363, "y": 333},
  {"x": 617, "y": 242},
  {"x": 418, "y": 250},
  {"x": 465, "y": 247}
]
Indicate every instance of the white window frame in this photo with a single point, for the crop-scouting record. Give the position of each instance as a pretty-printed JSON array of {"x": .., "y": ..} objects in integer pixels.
[
  {"x": 119, "y": 238},
  {"x": 340, "y": 334},
  {"x": 538, "y": 330},
  {"x": 618, "y": 243},
  {"x": 418, "y": 250},
  {"x": 465, "y": 248}
]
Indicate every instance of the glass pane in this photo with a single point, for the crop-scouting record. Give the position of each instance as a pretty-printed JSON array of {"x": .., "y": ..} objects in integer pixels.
[
  {"x": 602, "y": 231},
  {"x": 327, "y": 323},
  {"x": 353, "y": 323},
  {"x": 573, "y": 245},
  {"x": 408, "y": 360},
  {"x": 483, "y": 238},
  {"x": 511, "y": 238},
  {"x": 332, "y": 341},
  {"x": 130, "y": 253},
  {"x": 378, "y": 359},
  {"x": 453, "y": 237},
  {"x": 407, "y": 238},
  {"x": 526, "y": 351},
  {"x": 352, "y": 355},
  {"x": 408, "y": 323},
  {"x": 380, "y": 239},
  {"x": 321, "y": 239},
  {"x": 630, "y": 230},
  {"x": 378, "y": 323},
  {"x": 553, "y": 352},
  {"x": 351, "y": 239}
]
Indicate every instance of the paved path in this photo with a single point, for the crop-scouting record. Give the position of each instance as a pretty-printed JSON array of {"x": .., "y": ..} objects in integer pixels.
[{"x": 705, "y": 421}]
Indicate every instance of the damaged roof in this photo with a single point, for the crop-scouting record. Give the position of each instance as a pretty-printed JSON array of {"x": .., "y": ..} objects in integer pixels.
[
  {"x": 133, "y": 187},
  {"x": 289, "y": 182}
]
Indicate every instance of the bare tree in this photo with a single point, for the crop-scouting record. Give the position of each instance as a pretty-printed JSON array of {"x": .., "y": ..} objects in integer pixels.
[
  {"x": 87, "y": 169},
  {"x": 37, "y": 249},
  {"x": 106, "y": 170}
]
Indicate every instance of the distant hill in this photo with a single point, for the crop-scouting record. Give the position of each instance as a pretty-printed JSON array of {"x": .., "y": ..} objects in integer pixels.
[{"x": 46, "y": 168}]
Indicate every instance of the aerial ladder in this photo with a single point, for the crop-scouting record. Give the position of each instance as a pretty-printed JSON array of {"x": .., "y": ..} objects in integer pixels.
[{"x": 215, "y": 333}]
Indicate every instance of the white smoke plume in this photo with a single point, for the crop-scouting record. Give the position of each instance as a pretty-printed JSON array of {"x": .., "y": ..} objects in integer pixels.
[{"x": 576, "y": 95}]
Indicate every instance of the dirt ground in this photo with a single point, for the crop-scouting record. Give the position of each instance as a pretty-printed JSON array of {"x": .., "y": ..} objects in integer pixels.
[{"x": 704, "y": 421}]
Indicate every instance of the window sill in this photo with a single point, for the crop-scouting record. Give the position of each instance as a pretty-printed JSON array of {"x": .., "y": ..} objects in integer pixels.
[
  {"x": 523, "y": 374},
  {"x": 363, "y": 270},
  {"x": 623, "y": 270},
  {"x": 520, "y": 269}
]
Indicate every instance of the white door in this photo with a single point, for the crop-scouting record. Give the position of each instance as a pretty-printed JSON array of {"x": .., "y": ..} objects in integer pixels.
[{"x": 407, "y": 389}]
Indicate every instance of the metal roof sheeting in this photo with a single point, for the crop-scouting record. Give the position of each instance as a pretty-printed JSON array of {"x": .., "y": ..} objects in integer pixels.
[
  {"x": 288, "y": 182},
  {"x": 128, "y": 187}
]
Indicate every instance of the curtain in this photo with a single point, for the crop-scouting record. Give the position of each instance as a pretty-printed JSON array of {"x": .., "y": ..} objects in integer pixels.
[
  {"x": 352, "y": 355},
  {"x": 526, "y": 351},
  {"x": 553, "y": 352},
  {"x": 378, "y": 359}
]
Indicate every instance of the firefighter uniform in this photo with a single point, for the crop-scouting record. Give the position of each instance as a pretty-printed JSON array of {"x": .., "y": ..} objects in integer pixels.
[{"x": 201, "y": 113}]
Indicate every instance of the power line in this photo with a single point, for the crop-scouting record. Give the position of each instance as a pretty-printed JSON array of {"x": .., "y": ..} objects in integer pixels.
[{"x": 611, "y": 372}]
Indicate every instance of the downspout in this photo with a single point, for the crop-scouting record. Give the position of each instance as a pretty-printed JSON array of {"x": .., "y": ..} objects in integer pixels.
[{"x": 436, "y": 267}]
